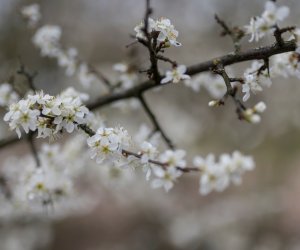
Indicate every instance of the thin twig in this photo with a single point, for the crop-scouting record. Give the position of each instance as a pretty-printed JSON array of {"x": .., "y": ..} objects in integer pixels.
[
  {"x": 166, "y": 59},
  {"x": 157, "y": 127},
  {"x": 235, "y": 34}
]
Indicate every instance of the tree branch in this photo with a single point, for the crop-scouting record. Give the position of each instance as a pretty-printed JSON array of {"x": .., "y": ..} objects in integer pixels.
[
  {"x": 229, "y": 59},
  {"x": 157, "y": 127},
  {"x": 252, "y": 54}
]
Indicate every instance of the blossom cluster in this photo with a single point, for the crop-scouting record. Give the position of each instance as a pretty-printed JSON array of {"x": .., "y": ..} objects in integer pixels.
[
  {"x": 262, "y": 25},
  {"x": 32, "y": 14},
  {"x": 31, "y": 190},
  {"x": 108, "y": 143},
  {"x": 162, "y": 29},
  {"x": 47, "y": 114},
  {"x": 254, "y": 79},
  {"x": 217, "y": 175},
  {"x": 47, "y": 39}
]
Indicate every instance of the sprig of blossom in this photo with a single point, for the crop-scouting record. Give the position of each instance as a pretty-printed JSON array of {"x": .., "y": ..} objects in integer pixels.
[
  {"x": 167, "y": 35},
  {"x": 176, "y": 75},
  {"x": 46, "y": 114},
  {"x": 108, "y": 143},
  {"x": 217, "y": 175},
  {"x": 51, "y": 186},
  {"x": 47, "y": 39},
  {"x": 260, "y": 26}
]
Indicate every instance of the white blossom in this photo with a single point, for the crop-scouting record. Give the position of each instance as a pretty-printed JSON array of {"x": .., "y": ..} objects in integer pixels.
[
  {"x": 47, "y": 40},
  {"x": 167, "y": 34},
  {"x": 176, "y": 75},
  {"x": 47, "y": 114},
  {"x": 261, "y": 25},
  {"x": 257, "y": 28},
  {"x": 217, "y": 175},
  {"x": 165, "y": 177},
  {"x": 7, "y": 95},
  {"x": 250, "y": 85},
  {"x": 108, "y": 143},
  {"x": 174, "y": 158},
  {"x": 32, "y": 14},
  {"x": 260, "y": 107},
  {"x": 272, "y": 14}
]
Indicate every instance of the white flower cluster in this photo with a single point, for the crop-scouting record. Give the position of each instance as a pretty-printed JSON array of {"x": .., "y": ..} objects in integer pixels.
[
  {"x": 261, "y": 25},
  {"x": 166, "y": 176},
  {"x": 47, "y": 114},
  {"x": 47, "y": 39},
  {"x": 217, "y": 175},
  {"x": 32, "y": 14},
  {"x": 108, "y": 144},
  {"x": 7, "y": 95},
  {"x": 175, "y": 75},
  {"x": 252, "y": 114},
  {"x": 255, "y": 79},
  {"x": 167, "y": 35},
  {"x": 33, "y": 190},
  {"x": 285, "y": 65}
]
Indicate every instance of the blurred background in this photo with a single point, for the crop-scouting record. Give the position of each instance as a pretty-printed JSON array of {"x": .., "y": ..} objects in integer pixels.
[{"x": 262, "y": 214}]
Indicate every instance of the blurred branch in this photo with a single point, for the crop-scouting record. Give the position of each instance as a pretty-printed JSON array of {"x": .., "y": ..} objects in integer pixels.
[
  {"x": 29, "y": 76},
  {"x": 157, "y": 127}
]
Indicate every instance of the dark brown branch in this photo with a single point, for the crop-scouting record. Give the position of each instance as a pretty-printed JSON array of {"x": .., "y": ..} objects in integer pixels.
[
  {"x": 134, "y": 92},
  {"x": 221, "y": 71},
  {"x": 253, "y": 54},
  {"x": 157, "y": 127},
  {"x": 278, "y": 34}
]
